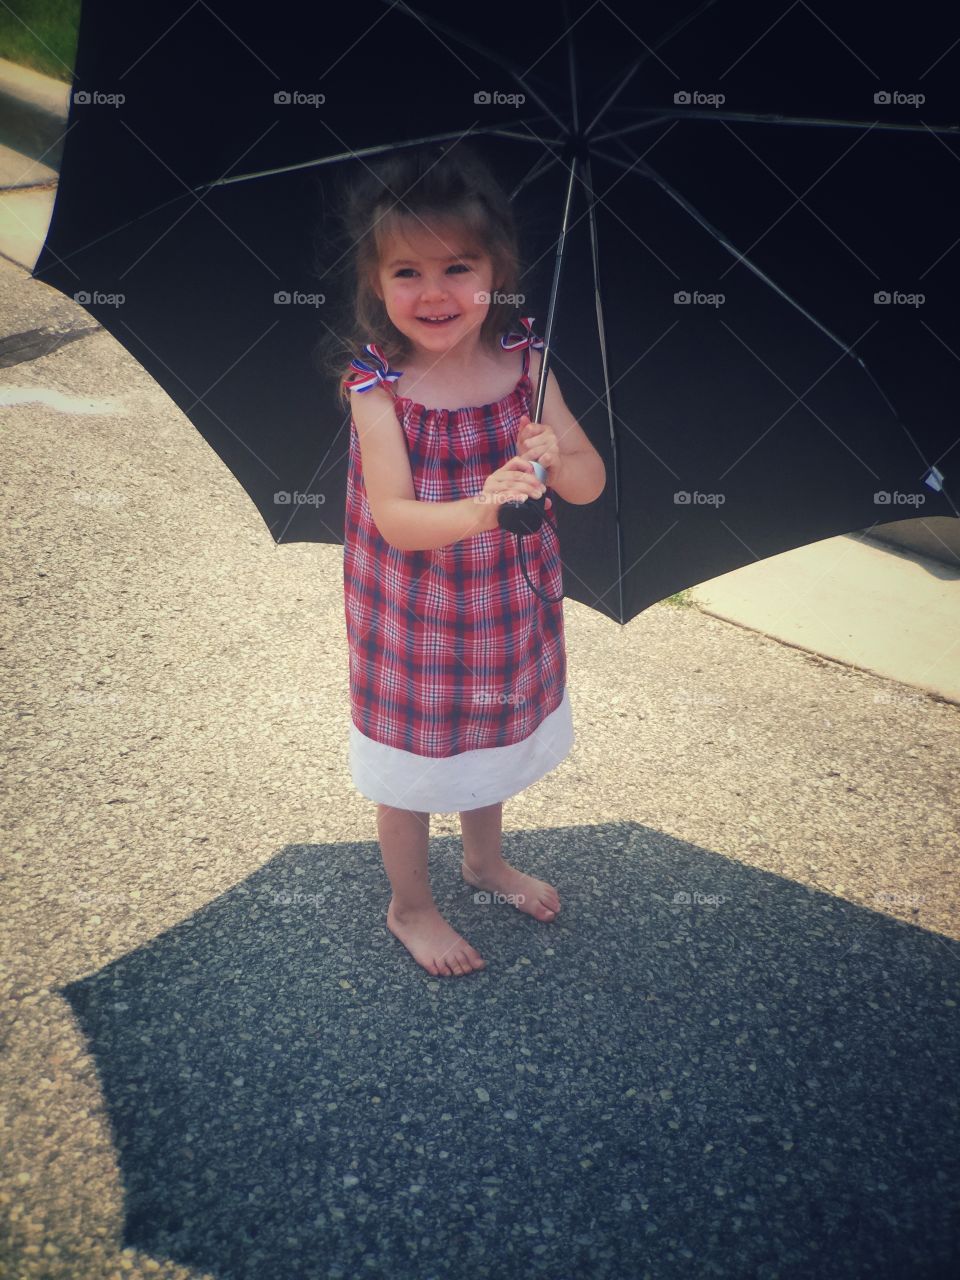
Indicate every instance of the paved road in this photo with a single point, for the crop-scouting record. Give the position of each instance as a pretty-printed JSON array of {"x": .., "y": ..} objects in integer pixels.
[{"x": 734, "y": 1053}]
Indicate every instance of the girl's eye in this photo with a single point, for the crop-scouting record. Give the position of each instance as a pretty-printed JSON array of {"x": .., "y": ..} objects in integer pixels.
[{"x": 455, "y": 266}]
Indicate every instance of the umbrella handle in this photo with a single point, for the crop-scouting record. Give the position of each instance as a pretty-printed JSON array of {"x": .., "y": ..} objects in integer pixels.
[{"x": 526, "y": 516}]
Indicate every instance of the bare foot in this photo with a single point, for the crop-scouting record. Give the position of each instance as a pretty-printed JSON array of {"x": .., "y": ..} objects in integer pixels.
[
  {"x": 434, "y": 944},
  {"x": 536, "y": 897}
]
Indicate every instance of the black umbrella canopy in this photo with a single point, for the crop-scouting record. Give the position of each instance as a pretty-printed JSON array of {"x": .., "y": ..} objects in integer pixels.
[{"x": 755, "y": 316}]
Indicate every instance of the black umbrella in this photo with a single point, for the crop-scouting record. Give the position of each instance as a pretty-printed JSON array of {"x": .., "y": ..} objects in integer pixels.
[{"x": 753, "y": 320}]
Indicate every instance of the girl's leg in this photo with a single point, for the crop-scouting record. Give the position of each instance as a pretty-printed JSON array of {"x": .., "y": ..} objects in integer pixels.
[
  {"x": 404, "y": 838},
  {"x": 484, "y": 866},
  {"x": 482, "y": 836},
  {"x": 412, "y": 916}
]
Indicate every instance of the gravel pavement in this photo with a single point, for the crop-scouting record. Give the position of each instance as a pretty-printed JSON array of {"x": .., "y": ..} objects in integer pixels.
[{"x": 734, "y": 1053}]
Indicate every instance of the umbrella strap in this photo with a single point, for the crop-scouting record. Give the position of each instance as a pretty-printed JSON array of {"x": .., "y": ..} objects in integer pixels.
[{"x": 546, "y": 599}]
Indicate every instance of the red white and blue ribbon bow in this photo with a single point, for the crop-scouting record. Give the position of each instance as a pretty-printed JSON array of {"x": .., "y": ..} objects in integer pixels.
[
  {"x": 514, "y": 341},
  {"x": 373, "y": 372}
]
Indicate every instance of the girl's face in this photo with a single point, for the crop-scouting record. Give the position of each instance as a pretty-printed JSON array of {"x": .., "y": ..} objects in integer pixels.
[{"x": 435, "y": 285}]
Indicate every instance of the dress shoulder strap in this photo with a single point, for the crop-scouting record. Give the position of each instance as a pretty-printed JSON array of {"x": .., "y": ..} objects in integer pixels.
[
  {"x": 523, "y": 340},
  {"x": 372, "y": 372}
]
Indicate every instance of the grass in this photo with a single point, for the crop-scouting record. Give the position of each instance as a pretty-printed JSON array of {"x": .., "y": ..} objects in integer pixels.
[
  {"x": 41, "y": 34},
  {"x": 681, "y": 598}
]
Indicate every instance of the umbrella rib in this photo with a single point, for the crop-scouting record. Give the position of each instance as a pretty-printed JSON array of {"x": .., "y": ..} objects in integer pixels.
[
  {"x": 523, "y": 137},
  {"x": 121, "y": 227},
  {"x": 641, "y": 166},
  {"x": 607, "y": 395},
  {"x": 722, "y": 239},
  {"x": 345, "y": 155},
  {"x": 378, "y": 148},
  {"x": 643, "y": 57},
  {"x": 572, "y": 68},
  {"x": 754, "y": 117},
  {"x": 470, "y": 43},
  {"x": 539, "y": 168}
]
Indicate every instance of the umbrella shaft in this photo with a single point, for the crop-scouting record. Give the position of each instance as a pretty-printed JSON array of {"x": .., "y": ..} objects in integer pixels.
[{"x": 554, "y": 287}]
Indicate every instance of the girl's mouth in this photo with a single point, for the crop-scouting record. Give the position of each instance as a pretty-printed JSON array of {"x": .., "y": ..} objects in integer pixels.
[{"x": 436, "y": 320}]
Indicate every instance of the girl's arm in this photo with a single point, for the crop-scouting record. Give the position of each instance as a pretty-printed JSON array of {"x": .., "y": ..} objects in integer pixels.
[
  {"x": 581, "y": 476},
  {"x": 404, "y": 521}
]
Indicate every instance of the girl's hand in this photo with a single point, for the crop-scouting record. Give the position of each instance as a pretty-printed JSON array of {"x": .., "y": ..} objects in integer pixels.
[
  {"x": 536, "y": 442},
  {"x": 514, "y": 482}
]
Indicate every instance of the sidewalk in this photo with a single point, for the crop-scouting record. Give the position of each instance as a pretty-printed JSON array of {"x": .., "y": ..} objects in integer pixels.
[
  {"x": 33, "y": 120},
  {"x": 850, "y": 598},
  {"x": 856, "y": 601}
]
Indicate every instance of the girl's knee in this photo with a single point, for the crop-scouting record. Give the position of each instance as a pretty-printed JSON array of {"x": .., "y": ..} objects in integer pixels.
[{"x": 388, "y": 811}]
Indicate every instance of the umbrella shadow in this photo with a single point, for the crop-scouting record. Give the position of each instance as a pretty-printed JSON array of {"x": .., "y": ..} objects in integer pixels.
[
  {"x": 925, "y": 559},
  {"x": 697, "y": 1068}
]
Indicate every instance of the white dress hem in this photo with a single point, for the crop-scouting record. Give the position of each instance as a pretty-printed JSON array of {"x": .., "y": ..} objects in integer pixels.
[{"x": 470, "y": 780}]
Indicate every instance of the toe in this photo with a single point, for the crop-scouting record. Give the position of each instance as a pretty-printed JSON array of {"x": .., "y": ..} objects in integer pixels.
[{"x": 551, "y": 899}]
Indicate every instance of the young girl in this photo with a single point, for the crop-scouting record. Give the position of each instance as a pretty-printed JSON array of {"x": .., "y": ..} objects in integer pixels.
[{"x": 457, "y": 669}]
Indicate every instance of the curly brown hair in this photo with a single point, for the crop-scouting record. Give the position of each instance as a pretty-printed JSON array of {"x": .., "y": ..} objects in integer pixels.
[{"x": 449, "y": 183}]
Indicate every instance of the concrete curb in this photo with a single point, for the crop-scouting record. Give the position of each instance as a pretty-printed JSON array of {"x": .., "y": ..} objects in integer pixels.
[{"x": 34, "y": 109}]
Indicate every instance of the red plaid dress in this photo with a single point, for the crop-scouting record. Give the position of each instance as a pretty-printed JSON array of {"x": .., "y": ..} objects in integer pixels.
[{"x": 457, "y": 669}]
